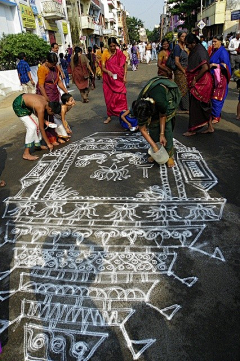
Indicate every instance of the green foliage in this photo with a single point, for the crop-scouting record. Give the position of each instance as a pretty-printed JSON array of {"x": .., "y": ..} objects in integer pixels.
[
  {"x": 169, "y": 36},
  {"x": 133, "y": 26},
  {"x": 153, "y": 35},
  {"x": 11, "y": 45},
  {"x": 187, "y": 11}
]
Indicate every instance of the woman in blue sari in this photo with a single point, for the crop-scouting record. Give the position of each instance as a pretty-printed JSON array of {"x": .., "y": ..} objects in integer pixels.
[
  {"x": 134, "y": 60},
  {"x": 221, "y": 70}
]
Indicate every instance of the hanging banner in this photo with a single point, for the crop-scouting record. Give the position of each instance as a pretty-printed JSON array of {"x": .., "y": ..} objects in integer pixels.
[
  {"x": 64, "y": 27},
  {"x": 50, "y": 25},
  {"x": 27, "y": 17}
]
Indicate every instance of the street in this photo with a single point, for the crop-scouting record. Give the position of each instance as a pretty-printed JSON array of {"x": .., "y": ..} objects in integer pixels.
[{"x": 106, "y": 257}]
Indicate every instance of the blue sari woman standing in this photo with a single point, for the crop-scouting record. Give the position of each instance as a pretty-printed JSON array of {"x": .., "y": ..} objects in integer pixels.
[
  {"x": 221, "y": 71},
  {"x": 134, "y": 59}
]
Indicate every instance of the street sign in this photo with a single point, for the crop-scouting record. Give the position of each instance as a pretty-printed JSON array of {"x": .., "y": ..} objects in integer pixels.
[{"x": 201, "y": 24}]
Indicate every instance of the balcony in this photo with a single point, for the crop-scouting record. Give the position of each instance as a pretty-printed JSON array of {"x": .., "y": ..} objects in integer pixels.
[
  {"x": 107, "y": 31},
  {"x": 98, "y": 30},
  {"x": 87, "y": 22},
  {"x": 214, "y": 13},
  {"x": 112, "y": 18},
  {"x": 52, "y": 10},
  {"x": 111, "y": 4},
  {"x": 96, "y": 3}
]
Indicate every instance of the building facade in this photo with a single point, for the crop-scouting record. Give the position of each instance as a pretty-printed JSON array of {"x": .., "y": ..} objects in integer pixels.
[{"x": 45, "y": 18}]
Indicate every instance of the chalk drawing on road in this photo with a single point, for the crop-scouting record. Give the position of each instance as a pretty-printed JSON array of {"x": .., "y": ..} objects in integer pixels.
[{"x": 91, "y": 244}]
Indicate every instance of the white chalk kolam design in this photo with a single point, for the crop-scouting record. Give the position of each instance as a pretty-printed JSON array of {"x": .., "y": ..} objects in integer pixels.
[{"x": 95, "y": 229}]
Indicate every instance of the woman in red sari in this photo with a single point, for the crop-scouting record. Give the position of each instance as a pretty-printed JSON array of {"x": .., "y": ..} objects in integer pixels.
[
  {"x": 114, "y": 69},
  {"x": 200, "y": 85}
]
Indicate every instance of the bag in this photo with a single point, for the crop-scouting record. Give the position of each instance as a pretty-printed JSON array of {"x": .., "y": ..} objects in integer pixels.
[
  {"x": 173, "y": 93},
  {"x": 170, "y": 63}
]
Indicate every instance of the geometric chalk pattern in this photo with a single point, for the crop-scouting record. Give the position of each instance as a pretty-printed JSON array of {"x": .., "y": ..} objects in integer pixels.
[{"x": 84, "y": 256}]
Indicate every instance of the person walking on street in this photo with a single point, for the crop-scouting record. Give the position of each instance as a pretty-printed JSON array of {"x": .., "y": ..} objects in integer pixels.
[
  {"x": 114, "y": 66},
  {"x": 81, "y": 71},
  {"x": 54, "y": 49},
  {"x": 154, "y": 51},
  {"x": 234, "y": 51},
  {"x": 64, "y": 65},
  {"x": 31, "y": 108},
  {"x": 148, "y": 53},
  {"x": 24, "y": 74}
]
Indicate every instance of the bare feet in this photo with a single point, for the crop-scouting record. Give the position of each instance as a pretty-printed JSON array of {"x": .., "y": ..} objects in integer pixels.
[
  {"x": 55, "y": 143},
  {"x": 108, "y": 120},
  {"x": 62, "y": 141},
  {"x": 2, "y": 183},
  {"x": 188, "y": 134},
  {"x": 44, "y": 147},
  {"x": 207, "y": 131},
  {"x": 170, "y": 163},
  {"x": 30, "y": 157}
]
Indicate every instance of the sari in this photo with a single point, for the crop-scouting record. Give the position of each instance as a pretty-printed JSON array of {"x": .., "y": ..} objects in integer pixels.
[
  {"x": 134, "y": 60},
  {"x": 201, "y": 92},
  {"x": 99, "y": 53},
  {"x": 180, "y": 78},
  {"x": 221, "y": 75},
  {"x": 49, "y": 79},
  {"x": 115, "y": 92},
  {"x": 80, "y": 72},
  {"x": 162, "y": 58}
]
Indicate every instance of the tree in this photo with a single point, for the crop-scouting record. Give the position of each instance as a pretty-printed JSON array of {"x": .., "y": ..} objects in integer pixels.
[
  {"x": 186, "y": 10},
  {"x": 153, "y": 35},
  {"x": 11, "y": 45},
  {"x": 169, "y": 36},
  {"x": 133, "y": 26}
]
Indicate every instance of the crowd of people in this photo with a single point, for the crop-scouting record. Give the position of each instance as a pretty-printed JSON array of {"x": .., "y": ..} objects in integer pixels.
[{"x": 200, "y": 71}]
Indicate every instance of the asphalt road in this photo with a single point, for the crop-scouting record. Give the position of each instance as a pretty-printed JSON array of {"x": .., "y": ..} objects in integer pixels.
[{"x": 105, "y": 257}]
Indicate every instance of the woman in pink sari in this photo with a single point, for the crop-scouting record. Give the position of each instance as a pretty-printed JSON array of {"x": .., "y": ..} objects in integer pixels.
[{"x": 114, "y": 69}]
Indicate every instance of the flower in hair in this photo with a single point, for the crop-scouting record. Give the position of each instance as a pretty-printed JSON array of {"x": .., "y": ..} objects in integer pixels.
[{"x": 150, "y": 100}]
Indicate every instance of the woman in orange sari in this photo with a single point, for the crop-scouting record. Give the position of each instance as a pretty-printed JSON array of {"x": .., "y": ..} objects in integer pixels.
[
  {"x": 162, "y": 59},
  {"x": 114, "y": 67},
  {"x": 48, "y": 85},
  {"x": 99, "y": 53}
]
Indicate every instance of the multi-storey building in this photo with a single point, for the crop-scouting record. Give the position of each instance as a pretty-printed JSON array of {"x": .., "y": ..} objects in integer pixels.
[
  {"x": 46, "y": 18},
  {"x": 74, "y": 22},
  {"x": 217, "y": 16}
]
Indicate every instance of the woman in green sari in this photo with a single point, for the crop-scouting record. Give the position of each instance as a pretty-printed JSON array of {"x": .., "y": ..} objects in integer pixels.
[{"x": 156, "y": 117}]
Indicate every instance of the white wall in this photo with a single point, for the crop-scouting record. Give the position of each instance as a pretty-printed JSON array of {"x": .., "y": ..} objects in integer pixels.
[
  {"x": 7, "y": 20},
  {"x": 9, "y": 78}
]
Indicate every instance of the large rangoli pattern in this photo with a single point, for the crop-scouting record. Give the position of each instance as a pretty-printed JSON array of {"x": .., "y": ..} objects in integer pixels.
[{"x": 95, "y": 229}]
